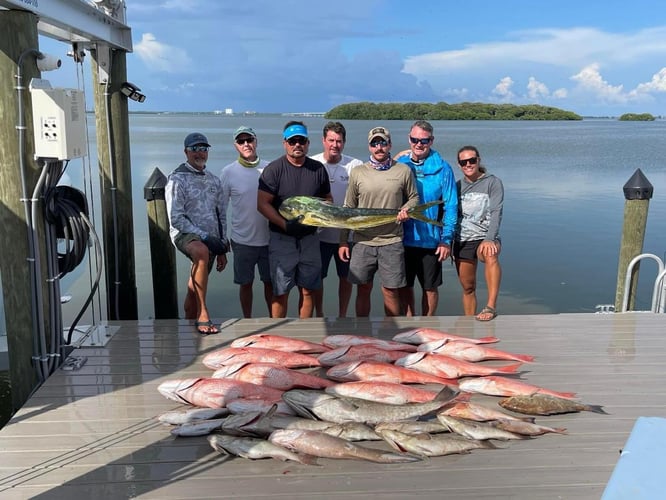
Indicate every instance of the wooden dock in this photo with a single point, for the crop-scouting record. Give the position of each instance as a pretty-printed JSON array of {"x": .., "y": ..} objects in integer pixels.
[{"x": 91, "y": 433}]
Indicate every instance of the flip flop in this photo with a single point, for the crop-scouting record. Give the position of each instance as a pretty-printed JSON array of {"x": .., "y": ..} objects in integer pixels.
[
  {"x": 487, "y": 310},
  {"x": 206, "y": 327}
]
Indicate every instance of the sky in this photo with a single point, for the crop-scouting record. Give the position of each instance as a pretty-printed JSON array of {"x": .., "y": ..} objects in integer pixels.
[{"x": 593, "y": 58}]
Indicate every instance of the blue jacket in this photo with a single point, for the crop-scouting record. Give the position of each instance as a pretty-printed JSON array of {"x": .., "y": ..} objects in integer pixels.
[{"x": 434, "y": 181}]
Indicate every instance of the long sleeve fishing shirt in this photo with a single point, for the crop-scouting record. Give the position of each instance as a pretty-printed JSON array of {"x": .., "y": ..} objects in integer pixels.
[
  {"x": 434, "y": 181},
  {"x": 480, "y": 208},
  {"x": 194, "y": 203}
]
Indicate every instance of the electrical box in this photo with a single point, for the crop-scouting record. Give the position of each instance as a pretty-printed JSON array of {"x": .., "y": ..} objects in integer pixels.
[{"x": 59, "y": 121}]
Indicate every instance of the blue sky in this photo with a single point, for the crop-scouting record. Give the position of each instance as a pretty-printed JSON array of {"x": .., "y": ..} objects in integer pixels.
[{"x": 593, "y": 58}]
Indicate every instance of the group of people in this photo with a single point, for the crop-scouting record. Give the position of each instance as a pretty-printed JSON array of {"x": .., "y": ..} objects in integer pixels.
[{"x": 290, "y": 255}]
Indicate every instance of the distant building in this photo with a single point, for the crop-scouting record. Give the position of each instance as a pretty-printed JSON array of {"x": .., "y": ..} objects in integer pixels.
[{"x": 228, "y": 111}]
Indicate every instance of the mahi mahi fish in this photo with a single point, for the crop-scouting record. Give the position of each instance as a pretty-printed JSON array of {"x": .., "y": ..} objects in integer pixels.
[{"x": 317, "y": 212}]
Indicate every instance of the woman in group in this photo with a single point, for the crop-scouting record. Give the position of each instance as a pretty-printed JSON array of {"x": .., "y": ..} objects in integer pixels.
[{"x": 481, "y": 196}]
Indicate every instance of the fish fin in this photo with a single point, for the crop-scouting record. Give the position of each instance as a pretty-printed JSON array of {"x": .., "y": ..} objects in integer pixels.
[
  {"x": 306, "y": 459},
  {"x": 525, "y": 358},
  {"x": 417, "y": 212},
  {"x": 487, "y": 340},
  {"x": 446, "y": 394},
  {"x": 509, "y": 368}
]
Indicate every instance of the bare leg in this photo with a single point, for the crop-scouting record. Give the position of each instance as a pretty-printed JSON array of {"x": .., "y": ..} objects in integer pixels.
[
  {"x": 467, "y": 276},
  {"x": 198, "y": 283},
  {"x": 407, "y": 300},
  {"x": 363, "y": 300},
  {"x": 307, "y": 303},
  {"x": 245, "y": 294},
  {"x": 429, "y": 301},
  {"x": 493, "y": 274},
  {"x": 318, "y": 296},
  {"x": 391, "y": 301},
  {"x": 268, "y": 296},
  {"x": 344, "y": 296},
  {"x": 279, "y": 306}
]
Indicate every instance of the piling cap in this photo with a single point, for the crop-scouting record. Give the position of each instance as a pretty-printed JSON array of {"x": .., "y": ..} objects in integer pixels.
[
  {"x": 154, "y": 187},
  {"x": 638, "y": 187}
]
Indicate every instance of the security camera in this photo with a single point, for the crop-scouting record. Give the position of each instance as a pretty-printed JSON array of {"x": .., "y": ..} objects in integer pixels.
[
  {"x": 132, "y": 91},
  {"x": 47, "y": 62}
]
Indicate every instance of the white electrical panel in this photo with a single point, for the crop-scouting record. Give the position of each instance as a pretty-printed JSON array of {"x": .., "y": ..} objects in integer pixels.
[{"x": 59, "y": 121}]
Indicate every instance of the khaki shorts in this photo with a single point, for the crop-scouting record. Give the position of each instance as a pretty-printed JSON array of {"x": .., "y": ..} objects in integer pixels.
[
  {"x": 184, "y": 239},
  {"x": 389, "y": 260}
]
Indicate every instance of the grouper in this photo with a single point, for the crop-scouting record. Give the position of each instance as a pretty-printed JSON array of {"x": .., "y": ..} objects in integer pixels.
[{"x": 317, "y": 212}]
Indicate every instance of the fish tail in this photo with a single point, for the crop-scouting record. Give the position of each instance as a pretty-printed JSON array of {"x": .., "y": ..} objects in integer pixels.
[
  {"x": 417, "y": 212},
  {"x": 525, "y": 358},
  {"x": 509, "y": 368},
  {"x": 597, "y": 409},
  {"x": 446, "y": 394},
  {"x": 487, "y": 340}
]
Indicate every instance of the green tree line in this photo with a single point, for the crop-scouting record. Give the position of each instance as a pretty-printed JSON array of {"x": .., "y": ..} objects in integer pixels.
[
  {"x": 636, "y": 117},
  {"x": 445, "y": 111}
]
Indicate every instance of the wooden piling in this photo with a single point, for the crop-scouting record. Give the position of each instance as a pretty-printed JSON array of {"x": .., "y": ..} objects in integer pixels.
[
  {"x": 162, "y": 251},
  {"x": 115, "y": 182},
  {"x": 18, "y": 35},
  {"x": 637, "y": 193}
]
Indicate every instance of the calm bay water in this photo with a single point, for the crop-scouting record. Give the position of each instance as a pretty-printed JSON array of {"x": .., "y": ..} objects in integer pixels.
[{"x": 562, "y": 217}]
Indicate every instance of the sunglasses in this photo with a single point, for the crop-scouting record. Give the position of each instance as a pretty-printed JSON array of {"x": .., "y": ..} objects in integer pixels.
[
  {"x": 472, "y": 161},
  {"x": 248, "y": 140},
  {"x": 198, "y": 149},
  {"x": 415, "y": 140},
  {"x": 302, "y": 141},
  {"x": 376, "y": 144}
]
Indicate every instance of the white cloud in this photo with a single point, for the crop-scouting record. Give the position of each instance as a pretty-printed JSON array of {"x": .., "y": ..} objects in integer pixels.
[
  {"x": 536, "y": 89},
  {"x": 589, "y": 80},
  {"x": 503, "y": 89},
  {"x": 159, "y": 56},
  {"x": 657, "y": 84}
]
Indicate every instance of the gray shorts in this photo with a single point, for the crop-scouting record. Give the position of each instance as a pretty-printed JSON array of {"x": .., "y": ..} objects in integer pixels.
[
  {"x": 183, "y": 239},
  {"x": 294, "y": 262},
  {"x": 388, "y": 259},
  {"x": 246, "y": 257}
]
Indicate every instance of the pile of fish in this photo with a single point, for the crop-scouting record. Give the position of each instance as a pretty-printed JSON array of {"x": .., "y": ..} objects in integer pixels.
[{"x": 259, "y": 402}]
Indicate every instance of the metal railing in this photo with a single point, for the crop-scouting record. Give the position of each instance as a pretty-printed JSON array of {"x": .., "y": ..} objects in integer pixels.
[{"x": 658, "y": 291}]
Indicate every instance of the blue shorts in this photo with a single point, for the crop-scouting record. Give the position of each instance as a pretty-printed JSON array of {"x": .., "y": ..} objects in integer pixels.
[
  {"x": 294, "y": 262},
  {"x": 389, "y": 260},
  {"x": 330, "y": 251},
  {"x": 246, "y": 257}
]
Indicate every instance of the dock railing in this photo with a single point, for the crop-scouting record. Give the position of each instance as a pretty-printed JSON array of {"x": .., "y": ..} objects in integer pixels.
[{"x": 658, "y": 290}]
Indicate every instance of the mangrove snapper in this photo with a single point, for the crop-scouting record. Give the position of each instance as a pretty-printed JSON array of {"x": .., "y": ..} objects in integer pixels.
[
  {"x": 198, "y": 428},
  {"x": 432, "y": 446},
  {"x": 476, "y": 430},
  {"x": 322, "y": 406},
  {"x": 326, "y": 446},
  {"x": 177, "y": 417},
  {"x": 255, "y": 449}
]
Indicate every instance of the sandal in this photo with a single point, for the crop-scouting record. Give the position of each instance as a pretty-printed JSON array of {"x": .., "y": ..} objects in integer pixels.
[
  {"x": 483, "y": 315},
  {"x": 206, "y": 327}
]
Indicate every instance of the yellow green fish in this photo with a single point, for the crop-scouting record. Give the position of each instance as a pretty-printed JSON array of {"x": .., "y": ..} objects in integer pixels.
[{"x": 317, "y": 212}]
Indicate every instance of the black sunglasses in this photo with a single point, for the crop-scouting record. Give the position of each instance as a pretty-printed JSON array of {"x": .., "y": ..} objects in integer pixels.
[
  {"x": 376, "y": 144},
  {"x": 472, "y": 161},
  {"x": 198, "y": 149},
  {"x": 242, "y": 141},
  {"x": 302, "y": 141},
  {"x": 415, "y": 140}
]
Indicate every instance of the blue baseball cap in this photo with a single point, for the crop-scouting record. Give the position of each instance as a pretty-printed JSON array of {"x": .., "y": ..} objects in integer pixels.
[
  {"x": 196, "y": 138},
  {"x": 295, "y": 130}
]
